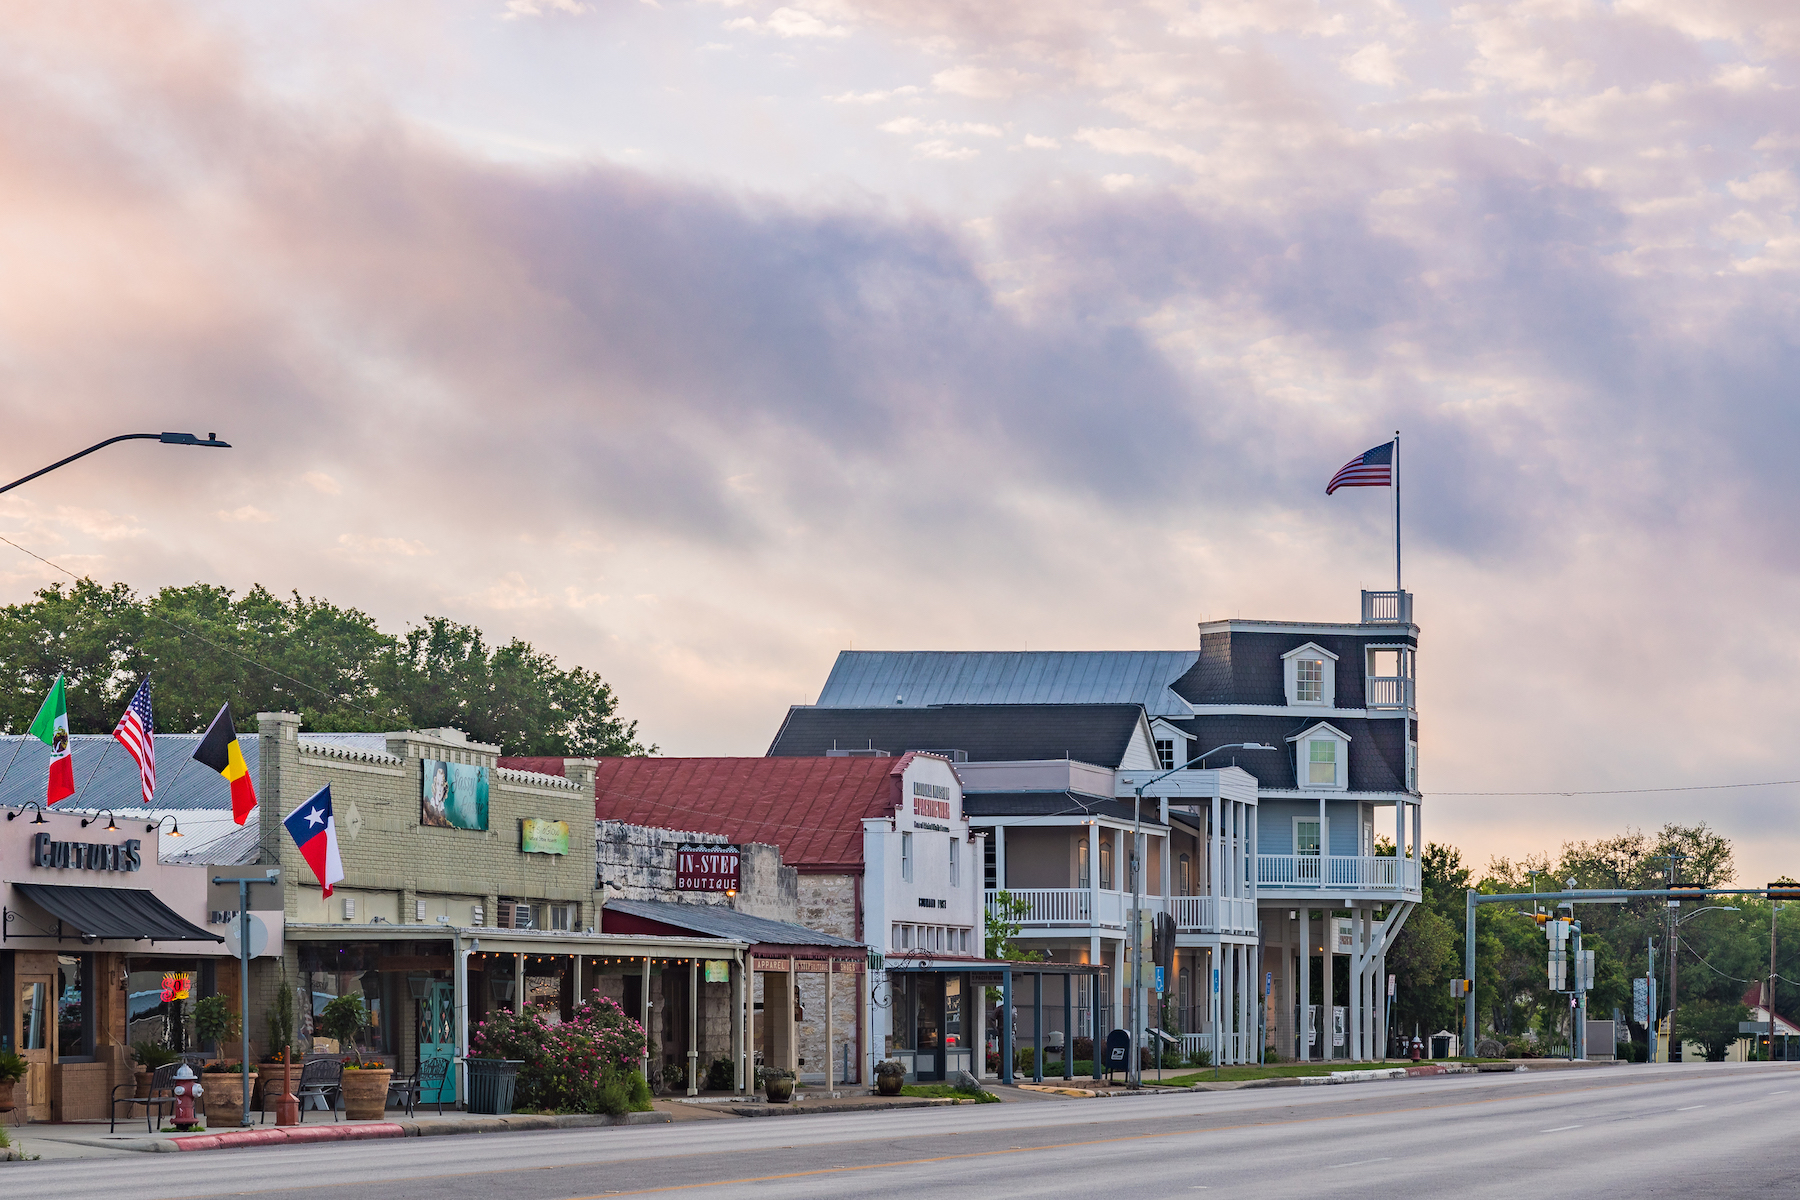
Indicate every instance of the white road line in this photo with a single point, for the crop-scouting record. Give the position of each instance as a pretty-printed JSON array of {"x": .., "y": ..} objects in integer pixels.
[
  {"x": 1771, "y": 1093},
  {"x": 1690, "y": 1108},
  {"x": 1559, "y": 1129},
  {"x": 1361, "y": 1162}
]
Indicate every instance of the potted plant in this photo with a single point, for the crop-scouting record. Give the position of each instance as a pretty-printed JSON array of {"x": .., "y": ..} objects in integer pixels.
[
  {"x": 365, "y": 1085},
  {"x": 890, "y": 1077},
  {"x": 224, "y": 1094},
  {"x": 213, "y": 1023},
  {"x": 148, "y": 1056},
  {"x": 777, "y": 1084},
  {"x": 280, "y": 1015},
  {"x": 12, "y": 1069}
]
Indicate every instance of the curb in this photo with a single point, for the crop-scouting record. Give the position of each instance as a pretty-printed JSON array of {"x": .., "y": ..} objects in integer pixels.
[
  {"x": 801, "y": 1110},
  {"x": 300, "y": 1135}
]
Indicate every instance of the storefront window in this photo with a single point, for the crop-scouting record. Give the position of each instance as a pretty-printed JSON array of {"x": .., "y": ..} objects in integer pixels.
[
  {"x": 930, "y": 992},
  {"x": 326, "y": 986},
  {"x": 159, "y": 1002},
  {"x": 73, "y": 984},
  {"x": 953, "y": 1012},
  {"x": 34, "y": 1017}
]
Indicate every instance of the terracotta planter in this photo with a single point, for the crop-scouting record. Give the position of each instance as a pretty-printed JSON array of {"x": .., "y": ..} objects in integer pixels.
[
  {"x": 6, "y": 1096},
  {"x": 224, "y": 1098},
  {"x": 365, "y": 1093},
  {"x": 889, "y": 1085},
  {"x": 142, "y": 1080}
]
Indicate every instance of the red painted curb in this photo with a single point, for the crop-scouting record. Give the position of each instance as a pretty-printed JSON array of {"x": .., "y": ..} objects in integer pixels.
[
  {"x": 298, "y": 1134},
  {"x": 1417, "y": 1072}
]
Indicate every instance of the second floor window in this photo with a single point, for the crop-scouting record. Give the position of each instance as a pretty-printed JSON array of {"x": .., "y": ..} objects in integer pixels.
[
  {"x": 1309, "y": 681},
  {"x": 1106, "y": 864},
  {"x": 1321, "y": 762},
  {"x": 1165, "y": 753},
  {"x": 906, "y": 857},
  {"x": 1306, "y": 837},
  {"x": 1082, "y": 878},
  {"x": 1187, "y": 876}
]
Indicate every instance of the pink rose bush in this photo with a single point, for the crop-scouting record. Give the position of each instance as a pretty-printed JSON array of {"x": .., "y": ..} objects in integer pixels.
[{"x": 585, "y": 1065}]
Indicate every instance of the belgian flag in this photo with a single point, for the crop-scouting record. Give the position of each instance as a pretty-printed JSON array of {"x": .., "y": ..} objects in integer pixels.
[{"x": 219, "y": 750}]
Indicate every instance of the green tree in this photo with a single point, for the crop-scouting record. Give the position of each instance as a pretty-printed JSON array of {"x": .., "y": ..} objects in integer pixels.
[{"x": 204, "y": 646}]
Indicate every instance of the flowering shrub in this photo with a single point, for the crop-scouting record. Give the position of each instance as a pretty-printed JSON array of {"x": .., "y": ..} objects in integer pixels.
[{"x": 585, "y": 1065}]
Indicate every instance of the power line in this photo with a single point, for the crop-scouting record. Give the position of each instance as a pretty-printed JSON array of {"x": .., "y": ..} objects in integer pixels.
[{"x": 1698, "y": 787}]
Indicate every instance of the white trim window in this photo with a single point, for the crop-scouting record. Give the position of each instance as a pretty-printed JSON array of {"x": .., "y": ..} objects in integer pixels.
[
  {"x": 1165, "y": 753},
  {"x": 906, "y": 857},
  {"x": 1307, "y": 840},
  {"x": 955, "y": 863},
  {"x": 1082, "y": 868},
  {"x": 1309, "y": 675},
  {"x": 1321, "y": 762},
  {"x": 1322, "y": 758},
  {"x": 1412, "y": 766}
]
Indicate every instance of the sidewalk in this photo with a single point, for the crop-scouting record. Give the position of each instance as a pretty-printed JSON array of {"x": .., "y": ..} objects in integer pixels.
[{"x": 90, "y": 1139}]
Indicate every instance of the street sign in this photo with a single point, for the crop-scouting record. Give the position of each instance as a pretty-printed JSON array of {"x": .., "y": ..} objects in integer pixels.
[
  {"x": 1159, "y": 979},
  {"x": 259, "y": 938},
  {"x": 1390, "y": 985},
  {"x": 1215, "y": 981}
]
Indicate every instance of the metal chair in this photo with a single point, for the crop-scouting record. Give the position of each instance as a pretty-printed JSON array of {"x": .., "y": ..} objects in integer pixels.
[
  {"x": 430, "y": 1073},
  {"x": 322, "y": 1077},
  {"x": 161, "y": 1095}
]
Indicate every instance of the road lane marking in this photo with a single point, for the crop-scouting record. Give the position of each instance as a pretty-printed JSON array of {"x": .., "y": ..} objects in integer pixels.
[
  {"x": 1361, "y": 1162},
  {"x": 1690, "y": 1108},
  {"x": 1559, "y": 1129}
]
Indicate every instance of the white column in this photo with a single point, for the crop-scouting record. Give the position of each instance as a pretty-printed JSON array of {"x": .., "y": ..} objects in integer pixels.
[
  {"x": 1324, "y": 867},
  {"x": 1303, "y": 986},
  {"x": 1418, "y": 846},
  {"x": 1000, "y": 858}
]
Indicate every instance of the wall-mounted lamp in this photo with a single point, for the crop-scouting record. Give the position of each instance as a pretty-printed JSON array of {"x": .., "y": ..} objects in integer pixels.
[
  {"x": 175, "y": 830},
  {"x": 29, "y": 804},
  {"x": 112, "y": 825}
]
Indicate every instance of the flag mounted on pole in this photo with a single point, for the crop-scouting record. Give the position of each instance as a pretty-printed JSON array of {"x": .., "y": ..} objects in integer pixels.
[
  {"x": 51, "y": 727},
  {"x": 314, "y": 830},
  {"x": 1373, "y": 468},
  {"x": 136, "y": 731},
  {"x": 219, "y": 750}
]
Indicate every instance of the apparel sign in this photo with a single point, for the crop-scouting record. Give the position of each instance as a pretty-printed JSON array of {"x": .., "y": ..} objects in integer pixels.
[
  {"x": 86, "y": 856},
  {"x": 706, "y": 869}
]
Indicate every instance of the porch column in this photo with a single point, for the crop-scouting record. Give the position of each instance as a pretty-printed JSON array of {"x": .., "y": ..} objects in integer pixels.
[
  {"x": 693, "y": 1054},
  {"x": 1006, "y": 1026},
  {"x": 1328, "y": 977},
  {"x": 1303, "y": 986},
  {"x": 740, "y": 1008},
  {"x": 790, "y": 995},
  {"x": 644, "y": 1016},
  {"x": 1324, "y": 859},
  {"x": 1000, "y": 858},
  {"x": 1418, "y": 846},
  {"x": 1068, "y": 1027},
  {"x": 830, "y": 1025},
  {"x": 1381, "y": 1002},
  {"x": 518, "y": 983},
  {"x": 1037, "y": 1027}
]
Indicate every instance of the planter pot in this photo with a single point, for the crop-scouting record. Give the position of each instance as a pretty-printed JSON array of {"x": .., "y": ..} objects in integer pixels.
[
  {"x": 142, "y": 1080},
  {"x": 889, "y": 1085},
  {"x": 365, "y": 1093},
  {"x": 779, "y": 1091},
  {"x": 6, "y": 1096},
  {"x": 224, "y": 1099}
]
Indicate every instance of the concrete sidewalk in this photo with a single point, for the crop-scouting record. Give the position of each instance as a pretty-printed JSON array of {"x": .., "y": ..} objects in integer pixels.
[{"x": 86, "y": 1139}]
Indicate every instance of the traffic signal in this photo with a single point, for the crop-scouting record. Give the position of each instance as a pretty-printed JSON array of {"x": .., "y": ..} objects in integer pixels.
[
  {"x": 1694, "y": 889},
  {"x": 1540, "y": 918},
  {"x": 1784, "y": 889}
]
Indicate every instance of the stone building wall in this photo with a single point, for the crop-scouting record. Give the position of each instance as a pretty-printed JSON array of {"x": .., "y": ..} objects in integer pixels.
[{"x": 637, "y": 862}]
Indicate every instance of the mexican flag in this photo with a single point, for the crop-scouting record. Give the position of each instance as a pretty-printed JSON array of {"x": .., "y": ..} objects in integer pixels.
[{"x": 51, "y": 727}]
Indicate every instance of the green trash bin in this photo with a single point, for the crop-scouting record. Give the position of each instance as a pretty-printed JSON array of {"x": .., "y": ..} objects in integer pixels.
[{"x": 491, "y": 1083}]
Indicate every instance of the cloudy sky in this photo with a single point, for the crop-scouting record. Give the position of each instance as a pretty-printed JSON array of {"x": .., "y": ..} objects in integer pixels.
[{"x": 698, "y": 341}]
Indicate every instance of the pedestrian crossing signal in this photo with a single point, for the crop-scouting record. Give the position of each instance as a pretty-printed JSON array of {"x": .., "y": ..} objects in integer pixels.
[{"x": 1460, "y": 988}]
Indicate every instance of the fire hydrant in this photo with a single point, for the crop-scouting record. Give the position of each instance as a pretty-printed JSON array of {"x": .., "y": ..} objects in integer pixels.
[
  {"x": 187, "y": 1090},
  {"x": 1418, "y": 1048}
]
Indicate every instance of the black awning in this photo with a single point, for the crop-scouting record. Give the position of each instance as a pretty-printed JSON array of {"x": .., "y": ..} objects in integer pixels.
[{"x": 131, "y": 914}]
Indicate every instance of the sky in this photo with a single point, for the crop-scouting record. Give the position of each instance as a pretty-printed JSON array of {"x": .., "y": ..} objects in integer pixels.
[{"x": 696, "y": 341}]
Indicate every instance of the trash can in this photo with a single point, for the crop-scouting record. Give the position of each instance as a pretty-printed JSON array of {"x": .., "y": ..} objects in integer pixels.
[{"x": 491, "y": 1083}]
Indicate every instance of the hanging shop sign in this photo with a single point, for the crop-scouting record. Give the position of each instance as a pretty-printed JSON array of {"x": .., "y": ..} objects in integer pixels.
[
  {"x": 543, "y": 837},
  {"x": 86, "y": 856},
  {"x": 718, "y": 970},
  {"x": 706, "y": 869}
]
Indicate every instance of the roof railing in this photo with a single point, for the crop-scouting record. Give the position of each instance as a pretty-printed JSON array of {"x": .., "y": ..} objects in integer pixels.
[{"x": 1387, "y": 608}]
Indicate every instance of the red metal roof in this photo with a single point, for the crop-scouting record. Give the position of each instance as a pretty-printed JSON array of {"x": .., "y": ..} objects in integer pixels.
[{"x": 813, "y": 808}]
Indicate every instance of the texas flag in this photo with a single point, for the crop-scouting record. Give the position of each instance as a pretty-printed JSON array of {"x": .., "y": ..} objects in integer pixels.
[{"x": 314, "y": 830}]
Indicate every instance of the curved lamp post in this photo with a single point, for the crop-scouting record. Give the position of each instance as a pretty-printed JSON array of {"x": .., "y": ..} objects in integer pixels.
[{"x": 171, "y": 439}]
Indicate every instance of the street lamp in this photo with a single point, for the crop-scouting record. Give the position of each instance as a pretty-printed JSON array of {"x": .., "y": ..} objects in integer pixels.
[
  {"x": 171, "y": 439},
  {"x": 1134, "y": 1068}
]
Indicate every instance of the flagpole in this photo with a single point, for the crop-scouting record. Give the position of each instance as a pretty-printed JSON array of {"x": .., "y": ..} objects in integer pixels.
[{"x": 1399, "y": 592}]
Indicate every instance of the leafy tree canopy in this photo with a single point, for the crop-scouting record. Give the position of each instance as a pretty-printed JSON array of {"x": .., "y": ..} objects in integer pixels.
[{"x": 204, "y": 645}]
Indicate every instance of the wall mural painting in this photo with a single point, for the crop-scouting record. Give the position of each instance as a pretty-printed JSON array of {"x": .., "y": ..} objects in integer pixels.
[{"x": 455, "y": 795}]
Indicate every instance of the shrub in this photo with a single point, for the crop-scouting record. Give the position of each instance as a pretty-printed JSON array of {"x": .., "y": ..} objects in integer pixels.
[
  {"x": 342, "y": 1019},
  {"x": 281, "y": 1022},
  {"x": 890, "y": 1066},
  {"x": 721, "y": 1076},
  {"x": 674, "y": 1076},
  {"x": 584, "y": 1065},
  {"x": 151, "y": 1055},
  {"x": 213, "y": 1020},
  {"x": 1084, "y": 1048},
  {"x": 12, "y": 1066}
]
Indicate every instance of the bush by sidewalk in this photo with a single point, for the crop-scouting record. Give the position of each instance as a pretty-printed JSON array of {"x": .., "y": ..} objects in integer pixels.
[{"x": 587, "y": 1065}]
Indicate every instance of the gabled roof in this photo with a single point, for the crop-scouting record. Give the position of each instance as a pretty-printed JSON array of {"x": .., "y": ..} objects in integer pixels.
[
  {"x": 920, "y": 678},
  {"x": 717, "y": 920},
  {"x": 1095, "y": 733},
  {"x": 813, "y": 808}
]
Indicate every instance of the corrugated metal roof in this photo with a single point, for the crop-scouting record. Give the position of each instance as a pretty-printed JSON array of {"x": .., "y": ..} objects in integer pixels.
[
  {"x": 716, "y": 920},
  {"x": 874, "y": 678},
  {"x": 107, "y": 777},
  {"x": 239, "y": 848},
  {"x": 1090, "y": 733}
]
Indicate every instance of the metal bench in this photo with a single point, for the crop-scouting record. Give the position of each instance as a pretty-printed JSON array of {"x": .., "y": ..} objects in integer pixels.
[
  {"x": 322, "y": 1077},
  {"x": 160, "y": 1096},
  {"x": 411, "y": 1089}
]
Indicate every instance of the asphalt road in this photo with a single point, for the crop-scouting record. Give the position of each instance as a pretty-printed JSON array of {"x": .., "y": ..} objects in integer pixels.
[{"x": 1691, "y": 1130}]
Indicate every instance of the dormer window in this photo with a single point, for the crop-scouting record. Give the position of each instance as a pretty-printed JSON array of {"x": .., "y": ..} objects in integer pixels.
[
  {"x": 1322, "y": 758},
  {"x": 1165, "y": 753},
  {"x": 1310, "y": 675}
]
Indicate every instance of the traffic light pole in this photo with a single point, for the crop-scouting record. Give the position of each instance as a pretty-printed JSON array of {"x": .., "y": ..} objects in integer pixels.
[{"x": 1473, "y": 898}]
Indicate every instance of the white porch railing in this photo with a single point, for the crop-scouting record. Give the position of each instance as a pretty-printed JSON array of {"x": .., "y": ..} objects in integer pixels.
[
  {"x": 1214, "y": 914},
  {"x": 1374, "y": 873},
  {"x": 1388, "y": 691},
  {"x": 1387, "y": 608},
  {"x": 1068, "y": 906}
]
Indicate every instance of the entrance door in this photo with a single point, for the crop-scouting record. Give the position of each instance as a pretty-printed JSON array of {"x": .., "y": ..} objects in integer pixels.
[
  {"x": 928, "y": 1029},
  {"x": 437, "y": 1036},
  {"x": 32, "y": 1034}
]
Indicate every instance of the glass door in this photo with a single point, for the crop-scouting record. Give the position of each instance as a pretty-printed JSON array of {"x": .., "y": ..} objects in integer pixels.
[
  {"x": 928, "y": 1018},
  {"x": 32, "y": 1034},
  {"x": 437, "y": 1037}
]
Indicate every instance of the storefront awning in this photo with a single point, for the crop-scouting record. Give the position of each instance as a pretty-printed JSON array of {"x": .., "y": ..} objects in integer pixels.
[{"x": 129, "y": 914}]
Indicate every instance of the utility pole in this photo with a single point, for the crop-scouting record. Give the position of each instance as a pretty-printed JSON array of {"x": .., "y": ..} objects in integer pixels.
[
  {"x": 1674, "y": 906},
  {"x": 1773, "y": 905}
]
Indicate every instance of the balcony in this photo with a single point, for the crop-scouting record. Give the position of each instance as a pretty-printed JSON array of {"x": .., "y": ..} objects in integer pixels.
[
  {"x": 1389, "y": 691},
  {"x": 1071, "y": 909},
  {"x": 1311, "y": 872},
  {"x": 1387, "y": 608}
]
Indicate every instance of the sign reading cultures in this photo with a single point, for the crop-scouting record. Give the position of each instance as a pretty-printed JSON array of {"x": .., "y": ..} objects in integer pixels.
[
  {"x": 543, "y": 837},
  {"x": 706, "y": 869},
  {"x": 455, "y": 795}
]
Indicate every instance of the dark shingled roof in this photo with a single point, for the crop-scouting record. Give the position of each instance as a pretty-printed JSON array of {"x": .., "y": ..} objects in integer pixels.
[
  {"x": 1043, "y": 804},
  {"x": 1093, "y": 733},
  {"x": 716, "y": 920}
]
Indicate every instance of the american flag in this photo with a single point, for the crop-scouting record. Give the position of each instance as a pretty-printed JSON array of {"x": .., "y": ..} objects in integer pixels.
[
  {"x": 1371, "y": 469},
  {"x": 136, "y": 731}
]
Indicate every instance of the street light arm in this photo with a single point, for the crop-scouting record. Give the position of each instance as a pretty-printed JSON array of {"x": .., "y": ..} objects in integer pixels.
[{"x": 173, "y": 439}]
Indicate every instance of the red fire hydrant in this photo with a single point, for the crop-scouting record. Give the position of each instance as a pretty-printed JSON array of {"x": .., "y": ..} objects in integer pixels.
[
  {"x": 187, "y": 1090},
  {"x": 1418, "y": 1048}
]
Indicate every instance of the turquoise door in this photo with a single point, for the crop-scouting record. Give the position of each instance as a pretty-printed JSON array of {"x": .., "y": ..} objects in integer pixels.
[{"x": 437, "y": 1037}]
